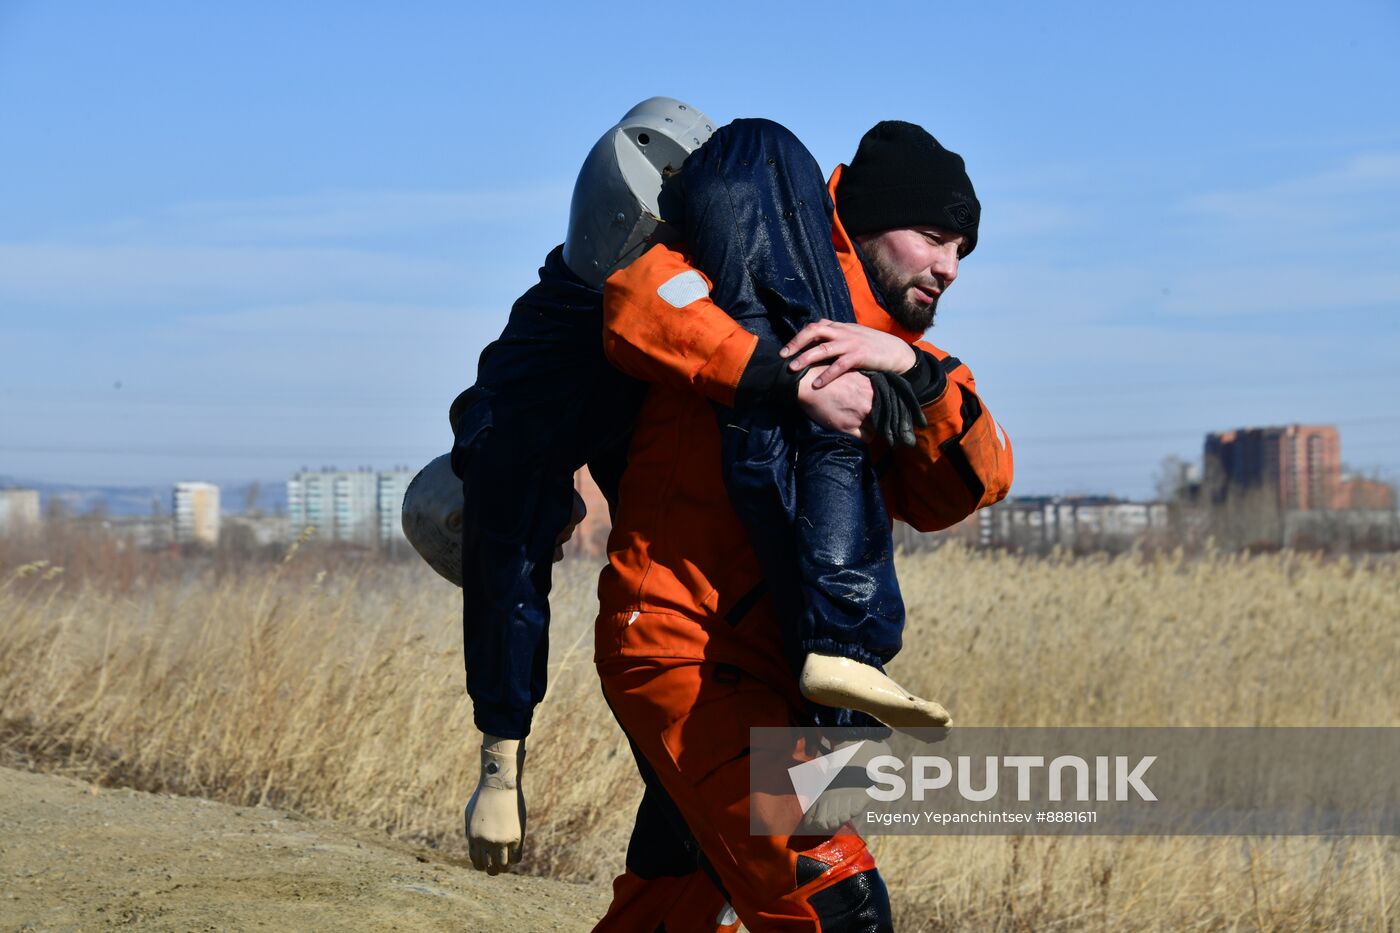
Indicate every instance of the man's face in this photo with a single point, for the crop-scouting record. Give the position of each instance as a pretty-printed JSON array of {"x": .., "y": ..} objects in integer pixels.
[{"x": 912, "y": 266}]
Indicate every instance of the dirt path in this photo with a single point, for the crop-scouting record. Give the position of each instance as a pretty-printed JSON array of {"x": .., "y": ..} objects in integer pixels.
[{"x": 74, "y": 857}]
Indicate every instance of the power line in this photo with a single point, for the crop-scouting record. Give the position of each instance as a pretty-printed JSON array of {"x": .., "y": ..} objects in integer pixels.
[
  {"x": 398, "y": 402},
  {"x": 307, "y": 452},
  {"x": 316, "y": 451}
]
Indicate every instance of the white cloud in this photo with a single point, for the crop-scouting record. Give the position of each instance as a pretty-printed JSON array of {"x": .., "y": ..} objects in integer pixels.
[
  {"x": 333, "y": 320},
  {"x": 1314, "y": 244},
  {"x": 1355, "y": 195},
  {"x": 107, "y": 275},
  {"x": 271, "y": 250},
  {"x": 1063, "y": 290},
  {"x": 1281, "y": 288},
  {"x": 1027, "y": 217},
  {"x": 342, "y": 215}
]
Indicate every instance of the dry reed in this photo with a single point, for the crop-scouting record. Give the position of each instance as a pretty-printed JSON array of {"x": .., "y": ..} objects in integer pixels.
[{"x": 338, "y": 691}]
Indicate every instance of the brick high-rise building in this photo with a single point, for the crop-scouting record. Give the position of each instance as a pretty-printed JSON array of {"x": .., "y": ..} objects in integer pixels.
[
  {"x": 1357, "y": 492},
  {"x": 1295, "y": 467}
]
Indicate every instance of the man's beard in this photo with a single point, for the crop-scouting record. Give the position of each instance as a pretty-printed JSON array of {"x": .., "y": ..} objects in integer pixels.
[{"x": 907, "y": 312}]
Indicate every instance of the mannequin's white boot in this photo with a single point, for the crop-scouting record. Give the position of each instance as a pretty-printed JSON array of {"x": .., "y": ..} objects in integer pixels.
[{"x": 842, "y": 682}]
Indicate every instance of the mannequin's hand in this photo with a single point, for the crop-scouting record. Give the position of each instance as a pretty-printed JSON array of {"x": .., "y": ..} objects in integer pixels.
[
  {"x": 845, "y": 798},
  {"x": 496, "y": 812}
]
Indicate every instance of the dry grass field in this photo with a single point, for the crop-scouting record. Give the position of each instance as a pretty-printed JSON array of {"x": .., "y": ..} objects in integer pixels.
[{"x": 336, "y": 689}]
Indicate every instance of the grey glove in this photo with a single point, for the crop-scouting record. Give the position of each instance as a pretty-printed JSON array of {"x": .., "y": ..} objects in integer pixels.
[{"x": 895, "y": 411}]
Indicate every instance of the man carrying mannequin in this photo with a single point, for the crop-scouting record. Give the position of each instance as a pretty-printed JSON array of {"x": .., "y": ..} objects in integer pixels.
[{"x": 688, "y": 643}]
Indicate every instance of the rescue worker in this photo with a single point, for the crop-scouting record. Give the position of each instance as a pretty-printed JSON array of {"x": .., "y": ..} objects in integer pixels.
[
  {"x": 688, "y": 643},
  {"x": 687, "y": 346},
  {"x": 540, "y": 372}
]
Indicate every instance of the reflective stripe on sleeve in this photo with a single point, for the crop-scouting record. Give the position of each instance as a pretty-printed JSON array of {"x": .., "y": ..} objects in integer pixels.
[{"x": 683, "y": 288}]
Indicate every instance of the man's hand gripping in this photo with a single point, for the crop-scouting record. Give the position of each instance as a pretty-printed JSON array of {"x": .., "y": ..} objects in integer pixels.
[
  {"x": 496, "y": 812},
  {"x": 854, "y": 384},
  {"x": 846, "y": 347}
]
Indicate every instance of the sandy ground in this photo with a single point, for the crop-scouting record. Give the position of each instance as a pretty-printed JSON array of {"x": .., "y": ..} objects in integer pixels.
[{"x": 76, "y": 857}]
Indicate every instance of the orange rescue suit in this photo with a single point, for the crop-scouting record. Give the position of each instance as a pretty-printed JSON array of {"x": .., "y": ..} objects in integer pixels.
[
  {"x": 689, "y": 658},
  {"x": 677, "y": 552}
]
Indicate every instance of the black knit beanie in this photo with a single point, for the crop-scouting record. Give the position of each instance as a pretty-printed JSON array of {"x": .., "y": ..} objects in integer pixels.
[{"x": 902, "y": 177}]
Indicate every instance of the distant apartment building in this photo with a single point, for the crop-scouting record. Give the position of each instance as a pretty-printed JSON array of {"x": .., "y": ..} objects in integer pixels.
[
  {"x": 1086, "y": 522},
  {"x": 196, "y": 508},
  {"x": 1358, "y": 493},
  {"x": 141, "y": 531},
  {"x": 254, "y": 531},
  {"x": 341, "y": 505},
  {"x": 1293, "y": 468},
  {"x": 391, "y": 486},
  {"x": 348, "y": 506},
  {"x": 19, "y": 510}
]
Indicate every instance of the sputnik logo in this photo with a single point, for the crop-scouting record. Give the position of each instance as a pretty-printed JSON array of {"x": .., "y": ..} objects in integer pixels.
[{"x": 811, "y": 778}]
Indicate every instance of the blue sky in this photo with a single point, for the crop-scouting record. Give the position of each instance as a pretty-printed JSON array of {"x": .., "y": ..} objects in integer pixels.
[{"x": 243, "y": 238}]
